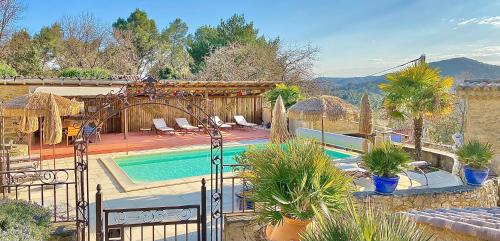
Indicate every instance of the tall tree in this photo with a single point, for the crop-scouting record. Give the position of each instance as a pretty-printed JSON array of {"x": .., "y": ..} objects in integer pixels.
[
  {"x": 145, "y": 38},
  {"x": 415, "y": 93},
  {"x": 9, "y": 13},
  {"x": 174, "y": 60},
  {"x": 233, "y": 30},
  {"x": 50, "y": 41},
  {"x": 23, "y": 54},
  {"x": 84, "y": 38}
]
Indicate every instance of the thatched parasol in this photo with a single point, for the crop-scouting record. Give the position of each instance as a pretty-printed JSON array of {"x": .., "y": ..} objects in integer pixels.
[
  {"x": 320, "y": 107},
  {"x": 279, "y": 130},
  {"x": 365, "y": 116},
  {"x": 31, "y": 106}
]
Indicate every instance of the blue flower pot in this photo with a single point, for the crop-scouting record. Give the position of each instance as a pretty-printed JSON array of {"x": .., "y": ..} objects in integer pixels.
[
  {"x": 475, "y": 177},
  {"x": 385, "y": 185}
]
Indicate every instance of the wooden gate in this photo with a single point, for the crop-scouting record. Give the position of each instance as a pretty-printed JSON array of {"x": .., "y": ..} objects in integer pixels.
[{"x": 185, "y": 222}]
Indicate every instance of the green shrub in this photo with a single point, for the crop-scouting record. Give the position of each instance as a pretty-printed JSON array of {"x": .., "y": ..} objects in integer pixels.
[
  {"x": 6, "y": 70},
  {"x": 387, "y": 160},
  {"x": 289, "y": 93},
  {"x": 369, "y": 225},
  {"x": 93, "y": 73},
  {"x": 21, "y": 220},
  {"x": 475, "y": 154},
  {"x": 297, "y": 177}
]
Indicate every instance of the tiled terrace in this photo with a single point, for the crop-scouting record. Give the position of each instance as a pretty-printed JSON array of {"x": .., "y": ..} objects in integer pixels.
[{"x": 138, "y": 141}]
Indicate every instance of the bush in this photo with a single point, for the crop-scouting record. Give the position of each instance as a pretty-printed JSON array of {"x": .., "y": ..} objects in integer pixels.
[
  {"x": 289, "y": 93},
  {"x": 369, "y": 225},
  {"x": 475, "y": 154},
  {"x": 93, "y": 73},
  {"x": 23, "y": 221},
  {"x": 297, "y": 177},
  {"x": 387, "y": 160},
  {"x": 6, "y": 70}
]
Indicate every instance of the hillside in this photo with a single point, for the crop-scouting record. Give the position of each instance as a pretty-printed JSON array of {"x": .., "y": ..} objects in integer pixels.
[{"x": 352, "y": 88}]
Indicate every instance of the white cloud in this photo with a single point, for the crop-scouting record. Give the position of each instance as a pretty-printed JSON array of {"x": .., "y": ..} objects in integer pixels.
[{"x": 493, "y": 21}]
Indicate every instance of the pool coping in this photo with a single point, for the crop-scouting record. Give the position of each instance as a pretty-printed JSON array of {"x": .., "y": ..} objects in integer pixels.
[{"x": 127, "y": 185}]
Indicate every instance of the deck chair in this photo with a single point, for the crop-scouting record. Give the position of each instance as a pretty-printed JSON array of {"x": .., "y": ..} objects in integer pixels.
[
  {"x": 160, "y": 125},
  {"x": 72, "y": 131},
  {"x": 183, "y": 123},
  {"x": 220, "y": 123},
  {"x": 240, "y": 120}
]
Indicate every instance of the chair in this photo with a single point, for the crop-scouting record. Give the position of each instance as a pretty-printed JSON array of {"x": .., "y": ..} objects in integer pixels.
[
  {"x": 72, "y": 131},
  {"x": 220, "y": 123},
  {"x": 240, "y": 120},
  {"x": 184, "y": 124},
  {"x": 92, "y": 129},
  {"x": 160, "y": 125}
]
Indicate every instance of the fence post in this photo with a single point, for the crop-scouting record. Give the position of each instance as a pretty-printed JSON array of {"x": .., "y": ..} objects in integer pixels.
[
  {"x": 203, "y": 217},
  {"x": 98, "y": 210}
]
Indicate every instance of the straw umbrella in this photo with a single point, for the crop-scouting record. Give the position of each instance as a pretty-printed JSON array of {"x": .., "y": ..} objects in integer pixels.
[
  {"x": 320, "y": 107},
  {"x": 279, "y": 130},
  {"x": 365, "y": 116},
  {"x": 51, "y": 107}
]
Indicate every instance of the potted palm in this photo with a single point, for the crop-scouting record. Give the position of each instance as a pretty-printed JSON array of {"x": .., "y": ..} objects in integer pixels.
[
  {"x": 293, "y": 183},
  {"x": 476, "y": 157},
  {"x": 385, "y": 162}
]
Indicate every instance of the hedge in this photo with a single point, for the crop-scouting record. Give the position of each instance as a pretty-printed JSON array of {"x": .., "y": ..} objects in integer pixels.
[{"x": 93, "y": 73}]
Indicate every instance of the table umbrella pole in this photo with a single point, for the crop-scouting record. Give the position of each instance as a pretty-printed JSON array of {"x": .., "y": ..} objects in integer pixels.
[
  {"x": 54, "y": 155},
  {"x": 323, "y": 131},
  {"x": 41, "y": 139}
]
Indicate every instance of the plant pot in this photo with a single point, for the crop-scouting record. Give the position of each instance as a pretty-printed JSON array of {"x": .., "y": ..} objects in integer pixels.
[
  {"x": 385, "y": 185},
  {"x": 289, "y": 229},
  {"x": 269, "y": 230},
  {"x": 475, "y": 177}
]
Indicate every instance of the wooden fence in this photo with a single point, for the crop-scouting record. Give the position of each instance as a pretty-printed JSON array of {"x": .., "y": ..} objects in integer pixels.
[{"x": 225, "y": 107}]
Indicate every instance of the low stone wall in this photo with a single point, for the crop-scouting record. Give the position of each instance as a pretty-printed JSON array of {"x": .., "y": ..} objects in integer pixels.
[
  {"x": 441, "y": 159},
  {"x": 432, "y": 198},
  {"x": 243, "y": 226}
]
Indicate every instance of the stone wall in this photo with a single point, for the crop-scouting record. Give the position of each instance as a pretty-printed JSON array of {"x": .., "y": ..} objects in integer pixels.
[
  {"x": 432, "y": 198},
  {"x": 437, "y": 158},
  {"x": 482, "y": 122},
  {"x": 244, "y": 227}
]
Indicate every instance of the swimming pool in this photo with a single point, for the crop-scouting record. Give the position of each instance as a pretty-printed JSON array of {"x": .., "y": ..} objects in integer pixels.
[{"x": 182, "y": 164}]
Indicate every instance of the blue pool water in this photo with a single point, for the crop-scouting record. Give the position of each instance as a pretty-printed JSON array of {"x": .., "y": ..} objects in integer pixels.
[{"x": 174, "y": 165}]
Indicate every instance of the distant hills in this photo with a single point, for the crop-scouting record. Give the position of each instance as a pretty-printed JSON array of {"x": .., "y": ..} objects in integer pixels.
[{"x": 351, "y": 88}]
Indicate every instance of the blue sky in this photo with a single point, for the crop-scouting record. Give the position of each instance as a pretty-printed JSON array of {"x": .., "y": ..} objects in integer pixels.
[{"x": 355, "y": 37}]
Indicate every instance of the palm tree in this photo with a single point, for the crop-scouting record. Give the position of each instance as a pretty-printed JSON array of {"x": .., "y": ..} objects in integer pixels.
[{"x": 417, "y": 92}]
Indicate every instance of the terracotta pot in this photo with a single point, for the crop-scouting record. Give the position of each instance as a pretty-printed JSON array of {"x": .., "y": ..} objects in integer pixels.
[
  {"x": 289, "y": 229},
  {"x": 269, "y": 230}
]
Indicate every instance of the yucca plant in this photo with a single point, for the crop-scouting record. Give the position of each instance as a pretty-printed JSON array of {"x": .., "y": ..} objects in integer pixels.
[
  {"x": 387, "y": 160},
  {"x": 475, "y": 154},
  {"x": 369, "y": 225},
  {"x": 294, "y": 180}
]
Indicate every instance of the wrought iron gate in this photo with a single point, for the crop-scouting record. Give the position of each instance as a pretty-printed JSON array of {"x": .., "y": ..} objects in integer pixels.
[
  {"x": 115, "y": 103},
  {"x": 185, "y": 222},
  {"x": 62, "y": 190}
]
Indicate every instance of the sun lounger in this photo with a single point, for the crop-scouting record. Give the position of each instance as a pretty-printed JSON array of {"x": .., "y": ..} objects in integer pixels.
[
  {"x": 184, "y": 124},
  {"x": 160, "y": 125},
  {"x": 220, "y": 123},
  {"x": 240, "y": 120}
]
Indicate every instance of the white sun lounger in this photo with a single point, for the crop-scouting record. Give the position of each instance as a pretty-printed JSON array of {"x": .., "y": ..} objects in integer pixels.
[
  {"x": 160, "y": 125},
  {"x": 184, "y": 124},
  {"x": 240, "y": 120},
  {"x": 220, "y": 123}
]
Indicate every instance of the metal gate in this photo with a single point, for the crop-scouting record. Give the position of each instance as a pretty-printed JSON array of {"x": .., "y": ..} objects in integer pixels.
[
  {"x": 61, "y": 190},
  {"x": 184, "y": 222}
]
